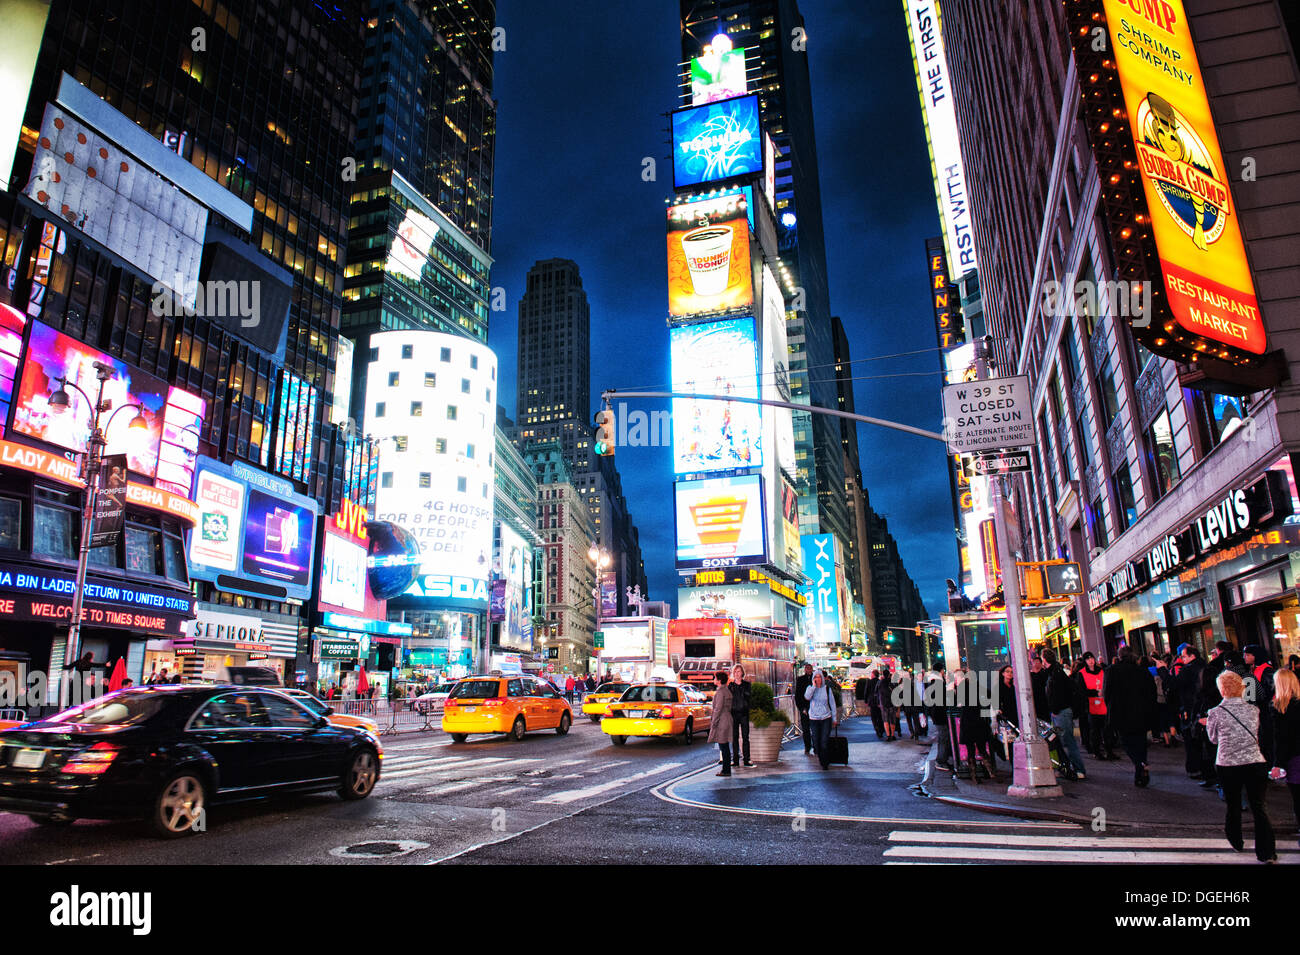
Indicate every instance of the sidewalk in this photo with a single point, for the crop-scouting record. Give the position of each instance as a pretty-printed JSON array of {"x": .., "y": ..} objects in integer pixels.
[{"x": 881, "y": 776}]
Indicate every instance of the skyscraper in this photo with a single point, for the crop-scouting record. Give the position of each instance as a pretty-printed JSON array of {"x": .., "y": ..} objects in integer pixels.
[{"x": 777, "y": 69}]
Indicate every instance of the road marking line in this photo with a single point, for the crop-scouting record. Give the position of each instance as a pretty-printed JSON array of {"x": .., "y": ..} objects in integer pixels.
[
  {"x": 507, "y": 791},
  {"x": 1123, "y": 856},
  {"x": 1066, "y": 842},
  {"x": 573, "y": 795},
  {"x": 492, "y": 761},
  {"x": 467, "y": 784}
]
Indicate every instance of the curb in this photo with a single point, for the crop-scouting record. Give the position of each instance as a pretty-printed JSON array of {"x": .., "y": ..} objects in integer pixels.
[{"x": 1050, "y": 815}]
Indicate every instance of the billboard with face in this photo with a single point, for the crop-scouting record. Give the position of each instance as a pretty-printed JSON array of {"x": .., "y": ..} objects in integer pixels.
[
  {"x": 410, "y": 250},
  {"x": 717, "y": 73},
  {"x": 717, "y": 358},
  {"x": 511, "y": 560},
  {"x": 720, "y": 521},
  {"x": 716, "y": 141},
  {"x": 708, "y": 256}
]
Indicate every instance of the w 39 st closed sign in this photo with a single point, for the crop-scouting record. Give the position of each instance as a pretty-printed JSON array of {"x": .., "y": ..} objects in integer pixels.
[{"x": 988, "y": 415}]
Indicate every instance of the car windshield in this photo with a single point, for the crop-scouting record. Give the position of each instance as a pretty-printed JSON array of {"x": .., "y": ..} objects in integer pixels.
[
  {"x": 612, "y": 687},
  {"x": 309, "y": 701},
  {"x": 115, "y": 709},
  {"x": 444, "y": 687},
  {"x": 649, "y": 694},
  {"x": 476, "y": 689}
]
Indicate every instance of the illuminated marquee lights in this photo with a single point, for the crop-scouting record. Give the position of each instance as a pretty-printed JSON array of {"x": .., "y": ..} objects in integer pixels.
[{"x": 1164, "y": 181}]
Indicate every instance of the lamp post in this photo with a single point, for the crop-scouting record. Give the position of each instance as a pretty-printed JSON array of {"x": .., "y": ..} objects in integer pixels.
[
  {"x": 600, "y": 559},
  {"x": 60, "y": 401}
]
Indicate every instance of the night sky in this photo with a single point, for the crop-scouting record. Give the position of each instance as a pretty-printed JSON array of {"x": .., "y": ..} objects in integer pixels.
[{"x": 583, "y": 88}]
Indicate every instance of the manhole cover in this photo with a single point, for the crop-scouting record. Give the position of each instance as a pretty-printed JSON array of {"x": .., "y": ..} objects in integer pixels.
[{"x": 377, "y": 850}]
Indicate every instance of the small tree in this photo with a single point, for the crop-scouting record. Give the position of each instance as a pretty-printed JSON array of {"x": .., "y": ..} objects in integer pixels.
[{"x": 762, "y": 707}]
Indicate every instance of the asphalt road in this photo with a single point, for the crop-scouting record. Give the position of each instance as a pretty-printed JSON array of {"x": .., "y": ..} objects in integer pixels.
[{"x": 579, "y": 799}]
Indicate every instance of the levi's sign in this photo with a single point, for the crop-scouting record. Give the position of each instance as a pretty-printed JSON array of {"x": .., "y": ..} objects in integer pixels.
[{"x": 988, "y": 415}]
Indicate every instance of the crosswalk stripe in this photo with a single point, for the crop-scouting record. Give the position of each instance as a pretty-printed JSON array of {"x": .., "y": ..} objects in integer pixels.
[
  {"x": 493, "y": 762},
  {"x": 996, "y": 854},
  {"x": 1066, "y": 842},
  {"x": 573, "y": 795},
  {"x": 466, "y": 784}
]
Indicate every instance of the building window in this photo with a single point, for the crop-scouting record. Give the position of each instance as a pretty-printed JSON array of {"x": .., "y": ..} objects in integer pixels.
[
  {"x": 451, "y": 412},
  {"x": 400, "y": 441},
  {"x": 1124, "y": 502},
  {"x": 444, "y": 355},
  {"x": 1162, "y": 456},
  {"x": 386, "y": 479},
  {"x": 143, "y": 550},
  {"x": 408, "y": 351},
  {"x": 469, "y": 451},
  {"x": 426, "y": 479},
  {"x": 11, "y": 512},
  {"x": 1217, "y": 416},
  {"x": 485, "y": 490},
  {"x": 53, "y": 531},
  {"x": 464, "y": 385},
  {"x": 417, "y": 409},
  {"x": 380, "y": 408},
  {"x": 473, "y": 361},
  {"x": 1097, "y": 523},
  {"x": 393, "y": 378},
  {"x": 462, "y": 484},
  {"x": 430, "y": 380},
  {"x": 440, "y": 446},
  {"x": 174, "y": 553}
]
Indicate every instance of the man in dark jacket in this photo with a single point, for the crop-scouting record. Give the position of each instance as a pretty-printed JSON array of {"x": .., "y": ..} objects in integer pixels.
[
  {"x": 1038, "y": 681},
  {"x": 740, "y": 688},
  {"x": 1187, "y": 683},
  {"x": 1130, "y": 694},
  {"x": 1259, "y": 690},
  {"x": 1059, "y": 690},
  {"x": 801, "y": 684}
]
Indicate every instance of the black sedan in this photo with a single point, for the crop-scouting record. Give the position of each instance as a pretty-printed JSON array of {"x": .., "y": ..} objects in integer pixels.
[{"x": 166, "y": 753}]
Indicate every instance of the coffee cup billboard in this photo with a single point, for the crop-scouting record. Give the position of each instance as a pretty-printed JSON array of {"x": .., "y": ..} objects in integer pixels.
[{"x": 708, "y": 256}]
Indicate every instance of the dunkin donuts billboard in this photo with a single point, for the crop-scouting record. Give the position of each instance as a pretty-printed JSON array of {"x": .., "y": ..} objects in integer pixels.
[
  {"x": 1165, "y": 182},
  {"x": 708, "y": 256}
]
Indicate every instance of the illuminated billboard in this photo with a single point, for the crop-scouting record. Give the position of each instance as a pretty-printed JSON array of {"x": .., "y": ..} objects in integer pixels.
[
  {"x": 510, "y": 567},
  {"x": 749, "y": 603},
  {"x": 776, "y": 373},
  {"x": 344, "y": 564},
  {"x": 720, "y": 521},
  {"x": 1166, "y": 193},
  {"x": 166, "y": 411},
  {"x": 86, "y": 181},
  {"x": 12, "y": 323},
  {"x": 937, "y": 109},
  {"x": 717, "y": 358},
  {"x": 252, "y": 527},
  {"x": 824, "y": 568},
  {"x": 718, "y": 72},
  {"x": 294, "y": 427},
  {"x": 716, "y": 141},
  {"x": 411, "y": 244},
  {"x": 708, "y": 256},
  {"x": 431, "y": 400}
]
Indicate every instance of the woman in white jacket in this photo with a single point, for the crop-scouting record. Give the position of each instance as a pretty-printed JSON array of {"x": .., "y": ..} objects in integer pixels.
[{"x": 1233, "y": 726}]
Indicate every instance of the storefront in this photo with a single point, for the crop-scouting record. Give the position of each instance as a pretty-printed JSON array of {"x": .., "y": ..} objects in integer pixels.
[
  {"x": 345, "y": 644},
  {"x": 1230, "y": 574},
  {"x": 224, "y": 637}
]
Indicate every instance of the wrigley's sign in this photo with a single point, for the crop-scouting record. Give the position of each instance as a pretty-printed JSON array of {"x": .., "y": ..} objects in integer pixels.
[{"x": 1241, "y": 511}]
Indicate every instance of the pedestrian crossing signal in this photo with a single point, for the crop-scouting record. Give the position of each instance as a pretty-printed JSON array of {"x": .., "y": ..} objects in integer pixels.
[{"x": 604, "y": 445}]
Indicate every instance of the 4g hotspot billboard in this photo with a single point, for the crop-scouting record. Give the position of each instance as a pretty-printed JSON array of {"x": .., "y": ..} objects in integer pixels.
[{"x": 1165, "y": 184}]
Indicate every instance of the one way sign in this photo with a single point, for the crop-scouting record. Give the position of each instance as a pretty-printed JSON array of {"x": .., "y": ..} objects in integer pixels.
[{"x": 1003, "y": 462}]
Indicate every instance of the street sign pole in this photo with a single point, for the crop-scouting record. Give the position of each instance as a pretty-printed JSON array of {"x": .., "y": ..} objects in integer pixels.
[{"x": 1032, "y": 774}]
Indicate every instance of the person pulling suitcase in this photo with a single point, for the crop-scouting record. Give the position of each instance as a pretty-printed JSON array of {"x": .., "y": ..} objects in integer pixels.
[{"x": 823, "y": 715}]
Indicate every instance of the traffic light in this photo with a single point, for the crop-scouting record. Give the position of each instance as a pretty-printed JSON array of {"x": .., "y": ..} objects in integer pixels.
[
  {"x": 889, "y": 636},
  {"x": 604, "y": 432}
]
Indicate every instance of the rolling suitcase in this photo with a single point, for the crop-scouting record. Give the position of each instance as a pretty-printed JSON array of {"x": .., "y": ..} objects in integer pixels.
[{"x": 837, "y": 748}]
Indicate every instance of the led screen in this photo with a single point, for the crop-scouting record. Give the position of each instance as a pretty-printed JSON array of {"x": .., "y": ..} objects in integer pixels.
[
  {"x": 716, "y": 141},
  {"x": 717, "y": 358},
  {"x": 708, "y": 256},
  {"x": 719, "y": 521}
]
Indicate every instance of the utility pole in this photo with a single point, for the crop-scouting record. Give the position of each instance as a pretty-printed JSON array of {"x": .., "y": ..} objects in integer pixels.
[{"x": 1033, "y": 776}]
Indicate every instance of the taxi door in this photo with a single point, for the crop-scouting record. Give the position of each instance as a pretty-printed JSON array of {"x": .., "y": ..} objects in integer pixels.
[{"x": 548, "y": 703}]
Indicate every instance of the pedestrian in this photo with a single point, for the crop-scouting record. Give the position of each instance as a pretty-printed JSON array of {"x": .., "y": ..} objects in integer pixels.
[
  {"x": 128, "y": 683},
  {"x": 873, "y": 704},
  {"x": 913, "y": 688},
  {"x": 1038, "y": 683},
  {"x": 1081, "y": 704},
  {"x": 860, "y": 694},
  {"x": 1187, "y": 688},
  {"x": 1164, "y": 681},
  {"x": 1286, "y": 734},
  {"x": 1293, "y": 663},
  {"x": 568, "y": 688},
  {"x": 1233, "y": 726},
  {"x": 1130, "y": 696},
  {"x": 801, "y": 684},
  {"x": 974, "y": 732},
  {"x": 1004, "y": 712},
  {"x": 1061, "y": 701},
  {"x": 1099, "y": 730},
  {"x": 720, "y": 727},
  {"x": 740, "y": 690},
  {"x": 823, "y": 715},
  {"x": 887, "y": 705},
  {"x": 1259, "y": 683},
  {"x": 936, "y": 713},
  {"x": 591, "y": 683}
]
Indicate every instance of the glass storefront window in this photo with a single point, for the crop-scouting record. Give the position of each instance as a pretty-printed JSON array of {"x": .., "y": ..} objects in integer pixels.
[
  {"x": 11, "y": 512},
  {"x": 53, "y": 531},
  {"x": 143, "y": 550}
]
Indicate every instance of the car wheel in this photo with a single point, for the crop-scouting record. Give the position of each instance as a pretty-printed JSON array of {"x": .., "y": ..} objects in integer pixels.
[
  {"x": 593, "y": 718},
  {"x": 564, "y": 724},
  {"x": 52, "y": 821},
  {"x": 361, "y": 776},
  {"x": 688, "y": 734},
  {"x": 180, "y": 805},
  {"x": 618, "y": 740},
  {"x": 518, "y": 730},
  {"x": 459, "y": 737}
]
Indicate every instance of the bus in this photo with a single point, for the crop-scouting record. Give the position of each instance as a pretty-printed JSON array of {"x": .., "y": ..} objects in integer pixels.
[{"x": 701, "y": 647}]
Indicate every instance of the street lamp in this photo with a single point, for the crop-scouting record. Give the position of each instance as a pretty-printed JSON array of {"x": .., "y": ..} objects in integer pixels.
[
  {"x": 601, "y": 559},
  {"x": 59, "y": 403}
]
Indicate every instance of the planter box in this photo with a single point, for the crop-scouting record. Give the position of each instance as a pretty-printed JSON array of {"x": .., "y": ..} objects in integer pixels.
[{"x": 765, "y": 743}]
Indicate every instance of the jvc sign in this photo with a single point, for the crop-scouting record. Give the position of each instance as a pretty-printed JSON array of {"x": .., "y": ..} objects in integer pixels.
[{"x": 988, "y": 415}]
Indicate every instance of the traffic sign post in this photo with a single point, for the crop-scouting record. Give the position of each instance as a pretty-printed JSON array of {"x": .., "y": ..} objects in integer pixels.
[
  {"x": 600, "y": 640},
  {"x": 988, "y": 414},
  {"x": 1000, "y": 462}
]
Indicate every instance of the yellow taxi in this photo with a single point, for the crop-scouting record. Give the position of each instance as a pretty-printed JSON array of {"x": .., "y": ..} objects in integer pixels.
[
  {"x": 657, "y": 709},
  {"x": 596, "y": 703},
  {"x": 320, "y": 708},
  {"x": 511, "y": 704}
]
